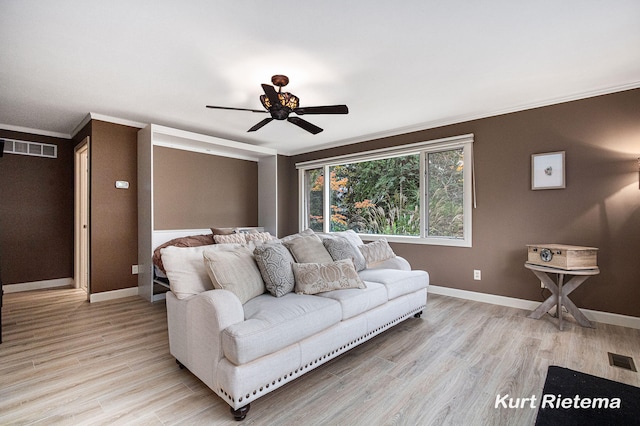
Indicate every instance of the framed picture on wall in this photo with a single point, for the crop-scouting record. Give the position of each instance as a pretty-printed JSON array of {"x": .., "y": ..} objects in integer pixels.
[{"x": 547, "y": 170}]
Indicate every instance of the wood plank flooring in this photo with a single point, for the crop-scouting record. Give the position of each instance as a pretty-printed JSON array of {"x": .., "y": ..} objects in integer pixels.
[{"x": 65, "y": 361}]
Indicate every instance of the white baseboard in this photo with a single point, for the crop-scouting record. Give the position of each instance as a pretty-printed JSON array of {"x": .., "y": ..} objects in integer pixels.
[
  {"x": 113, "y": 294},
  {"x": 597, "y": 316},
  {"x": 37, "y": 285}
]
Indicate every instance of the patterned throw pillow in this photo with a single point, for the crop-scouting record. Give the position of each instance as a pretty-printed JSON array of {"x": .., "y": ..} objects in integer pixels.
[
  {"x": 230, "y": 239},
  {"x": 258, "y": 236},
  {"x": 377, "y": 251},
  {"x": 340, "y": 248},
  {"x": 274, "y": 262},
  {"x": 234, "y": 270},
  {"x": 313, "y": 278}
]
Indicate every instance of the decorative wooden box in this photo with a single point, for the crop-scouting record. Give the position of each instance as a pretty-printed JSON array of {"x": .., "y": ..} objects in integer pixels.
[{"x": 562, "y": 256}]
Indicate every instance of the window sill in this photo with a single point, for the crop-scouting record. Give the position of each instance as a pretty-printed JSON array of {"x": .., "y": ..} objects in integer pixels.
[{"x": 448, "y": 242}]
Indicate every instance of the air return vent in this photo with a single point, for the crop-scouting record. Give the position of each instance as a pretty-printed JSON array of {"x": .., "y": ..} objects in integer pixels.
[
  {"x": 621, "y": 361},
  {"x": 35, "y": 149}
]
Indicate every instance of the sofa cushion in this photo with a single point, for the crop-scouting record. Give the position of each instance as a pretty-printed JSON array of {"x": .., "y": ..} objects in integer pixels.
[
  {"x": 308, "y": 249},
  {"x": 274, "y": 262},
  {"x": 397, "y": 282},
  {"x": 236, "y": 271},
  {"x": 313, "y": 278},
  {"x": 275, "y": 323},
  {"x": 340, "y": 248},
  {"x": 357, "y": 301},
  {"x": 377, "y": 251}
]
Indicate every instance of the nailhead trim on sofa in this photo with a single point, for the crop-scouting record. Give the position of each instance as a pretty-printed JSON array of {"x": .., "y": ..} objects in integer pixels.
[{"x": 256, "y": 393}]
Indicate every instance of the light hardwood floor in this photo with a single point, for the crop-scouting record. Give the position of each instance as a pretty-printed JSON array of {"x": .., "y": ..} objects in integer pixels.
[{"x": 65, "y": 361}]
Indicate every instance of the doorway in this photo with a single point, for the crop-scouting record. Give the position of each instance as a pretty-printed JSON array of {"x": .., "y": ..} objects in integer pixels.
[{"x": 81, "y": 217}]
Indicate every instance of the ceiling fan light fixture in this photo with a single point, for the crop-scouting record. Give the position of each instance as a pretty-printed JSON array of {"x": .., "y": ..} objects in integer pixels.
[{"x": 287, "y": 100}]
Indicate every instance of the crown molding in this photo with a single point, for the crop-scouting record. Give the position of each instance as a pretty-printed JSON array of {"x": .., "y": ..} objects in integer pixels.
[
  {"x": 34, "y": 131},
  {"x": 100, "y": 117}
]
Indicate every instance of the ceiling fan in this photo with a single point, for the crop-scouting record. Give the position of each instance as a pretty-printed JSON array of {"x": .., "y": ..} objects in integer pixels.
[{"x": 280, "y": 105}]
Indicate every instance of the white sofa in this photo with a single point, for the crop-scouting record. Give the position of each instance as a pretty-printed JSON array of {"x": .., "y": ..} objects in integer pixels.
[{"x": 243, "y": 352}]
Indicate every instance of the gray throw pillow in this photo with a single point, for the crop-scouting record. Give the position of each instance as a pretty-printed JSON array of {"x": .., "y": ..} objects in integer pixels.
[
  {"x": 274, "y": 262},
  {"x": 340, "y": 248}
]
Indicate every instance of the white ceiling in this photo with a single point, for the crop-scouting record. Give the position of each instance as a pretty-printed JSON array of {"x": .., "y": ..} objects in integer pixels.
[{"x": 399, "y": 66}]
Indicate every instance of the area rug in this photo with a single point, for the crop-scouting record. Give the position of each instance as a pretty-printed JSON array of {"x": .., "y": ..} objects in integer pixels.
[{"x": 573, "y": 398}]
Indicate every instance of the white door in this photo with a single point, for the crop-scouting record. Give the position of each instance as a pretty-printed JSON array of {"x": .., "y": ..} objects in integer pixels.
[{"x": 81, "y": 270}]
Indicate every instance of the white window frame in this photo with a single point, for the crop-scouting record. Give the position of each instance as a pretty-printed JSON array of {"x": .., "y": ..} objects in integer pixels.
[{"x": 422, "y": 148}]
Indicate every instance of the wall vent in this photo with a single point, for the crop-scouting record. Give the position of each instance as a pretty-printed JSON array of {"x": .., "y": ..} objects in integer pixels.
[{"x": 34, "y": 149}]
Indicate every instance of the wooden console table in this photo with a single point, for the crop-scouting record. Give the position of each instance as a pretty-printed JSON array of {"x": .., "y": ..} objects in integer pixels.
[{"x": 560, "y": 291}]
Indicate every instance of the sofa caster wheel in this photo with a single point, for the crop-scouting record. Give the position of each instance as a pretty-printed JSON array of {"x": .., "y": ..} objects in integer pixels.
[
  {"x": 418, "y": 315},
  {"x": 181, "y": 365},
  {"x": 241, "y": 412}
]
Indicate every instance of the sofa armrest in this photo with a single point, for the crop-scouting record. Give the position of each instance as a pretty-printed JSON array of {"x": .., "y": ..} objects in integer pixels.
[
  {"x": 393, "y": 263},
  {"x": 208, "y": 315}
]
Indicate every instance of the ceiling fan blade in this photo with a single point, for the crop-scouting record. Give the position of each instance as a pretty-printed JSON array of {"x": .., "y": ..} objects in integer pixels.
[
  {"x": 311, "y": 128},
  {"x": 329, "y": 109},
  {"x": 236, "y": 109},
  {"x": 272, "y": 95},
  {"x": 260, "y": 124}
]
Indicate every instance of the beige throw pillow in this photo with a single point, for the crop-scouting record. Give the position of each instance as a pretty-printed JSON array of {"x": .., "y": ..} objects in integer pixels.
[
  {"x": 308, "y": 249},
  {"x": 236, "y": 271},
  {"x": 377, "y": 251},
  {"x": 313, "y": 278}
]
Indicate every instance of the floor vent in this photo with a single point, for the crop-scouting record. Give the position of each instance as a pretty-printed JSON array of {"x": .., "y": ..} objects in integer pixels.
[
  {"x": 34, "y": 149},
  {"x": 622, "y": 361}
]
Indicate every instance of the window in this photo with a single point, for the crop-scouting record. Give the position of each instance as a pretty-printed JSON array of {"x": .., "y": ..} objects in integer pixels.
[{"x": 417, "y": 193}]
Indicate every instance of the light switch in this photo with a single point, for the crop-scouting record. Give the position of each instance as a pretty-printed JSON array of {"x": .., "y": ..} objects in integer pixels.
[{"x": 122, "y": 184}]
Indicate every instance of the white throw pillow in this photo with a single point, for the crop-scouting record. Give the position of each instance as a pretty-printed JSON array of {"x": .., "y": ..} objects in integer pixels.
[
  {"x": 258, "y": 236},
  {"x": 185, "y": 270},
  {"x": 230, "y": 239},
  {"x": 236, "y": 271}
]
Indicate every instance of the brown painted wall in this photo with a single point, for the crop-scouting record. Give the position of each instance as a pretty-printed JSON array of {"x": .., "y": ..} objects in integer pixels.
[
  {"x": 287, "y": 185},
  {"x": 36, "y": 213},
  {"x": 113, "y": 212},
  {"x": 193, "y": 190},
  {"x": 600, "y": 206}
]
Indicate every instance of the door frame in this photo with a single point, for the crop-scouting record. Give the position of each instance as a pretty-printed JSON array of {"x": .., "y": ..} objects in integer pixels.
[{"x": 82, "y": 190}]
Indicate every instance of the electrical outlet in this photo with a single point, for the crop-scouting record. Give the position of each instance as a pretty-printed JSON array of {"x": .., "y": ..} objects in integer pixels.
[
  {"x": 134, "y": 269},
  {"x": 477, "y": 275}
]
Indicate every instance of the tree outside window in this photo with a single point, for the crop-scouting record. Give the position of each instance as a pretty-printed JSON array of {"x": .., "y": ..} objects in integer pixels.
[{"x": 422, "y": 196}]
